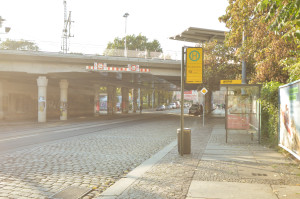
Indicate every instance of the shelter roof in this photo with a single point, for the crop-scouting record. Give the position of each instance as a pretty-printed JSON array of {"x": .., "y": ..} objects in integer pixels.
[{"x": 199, "y": 35}]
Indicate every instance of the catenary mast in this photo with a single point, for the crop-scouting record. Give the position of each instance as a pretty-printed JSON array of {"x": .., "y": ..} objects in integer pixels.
[{"x": 66, "y": 34}]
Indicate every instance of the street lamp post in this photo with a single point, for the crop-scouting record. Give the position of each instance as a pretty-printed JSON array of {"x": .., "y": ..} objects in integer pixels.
[{"x": 125, "y": 16}]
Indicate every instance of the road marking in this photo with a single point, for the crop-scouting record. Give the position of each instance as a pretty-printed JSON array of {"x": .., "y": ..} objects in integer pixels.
[{"x": 65, "y": 130}]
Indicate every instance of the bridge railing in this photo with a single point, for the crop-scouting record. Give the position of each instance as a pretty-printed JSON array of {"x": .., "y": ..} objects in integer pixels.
[{"x": 168, "y": 55}]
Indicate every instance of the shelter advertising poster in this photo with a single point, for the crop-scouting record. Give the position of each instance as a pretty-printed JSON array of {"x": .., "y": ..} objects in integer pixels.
[
  {"x": 289, "y": 126},
  {"x": 238, "y": 113}
]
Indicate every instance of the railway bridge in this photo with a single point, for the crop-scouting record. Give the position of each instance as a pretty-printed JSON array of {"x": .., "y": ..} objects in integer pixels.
[{"x": 41, "y": 85}]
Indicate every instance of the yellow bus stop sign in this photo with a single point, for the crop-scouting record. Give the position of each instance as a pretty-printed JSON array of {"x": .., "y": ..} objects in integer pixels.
[{"x": 194, "y": 62}]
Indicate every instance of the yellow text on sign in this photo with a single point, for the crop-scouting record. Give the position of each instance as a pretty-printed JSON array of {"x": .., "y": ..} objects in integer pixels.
[
  {"x": 230, "y": 81},
  {"x": 194, "y": 62}
]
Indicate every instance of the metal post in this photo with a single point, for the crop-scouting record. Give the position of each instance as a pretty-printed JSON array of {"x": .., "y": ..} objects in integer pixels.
[
  {"x": 182, "y": 98},
  {"x": 226, "y": 111},
  {"x": 259, "y": 117},
  {"x": 244, "y": 81},
  {"x": 203, "y": 108}
]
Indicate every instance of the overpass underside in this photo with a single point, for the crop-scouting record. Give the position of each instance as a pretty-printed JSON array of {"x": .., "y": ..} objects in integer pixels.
[{"x": 35, "y": 85}]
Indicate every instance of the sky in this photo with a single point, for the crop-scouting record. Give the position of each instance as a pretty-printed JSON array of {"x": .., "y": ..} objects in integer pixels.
[{"x": 97, "y": 22}]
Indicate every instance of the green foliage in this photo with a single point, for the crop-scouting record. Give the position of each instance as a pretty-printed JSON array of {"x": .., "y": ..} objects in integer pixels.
[
  {"x": 267, "y": 42},
  {"x": 284, "y": 20},
  {"x": 269, "y": 115},
  {"x": 220, "y": 63},
  {"x": 18, "y": 45},
  {"x": 292, "y": 65},
  {"x": 133, "y": 42},
  {"x": 283, "y": 14}
]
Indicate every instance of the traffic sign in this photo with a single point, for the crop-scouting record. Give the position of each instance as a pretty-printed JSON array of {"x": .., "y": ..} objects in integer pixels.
[
  {"x": 204, "y": 91},
  {"x": 194, "y": 64}
]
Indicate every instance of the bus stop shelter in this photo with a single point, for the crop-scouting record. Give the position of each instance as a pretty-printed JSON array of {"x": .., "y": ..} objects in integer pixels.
[{"x": 242, "y": 113}]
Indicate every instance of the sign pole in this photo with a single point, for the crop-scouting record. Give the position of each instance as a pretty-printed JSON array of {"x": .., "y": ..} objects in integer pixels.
[
  {"x": 191, "y": 73},
  {"x": 203, "y": 108},
  {"x": 203, "y": 91},
  {"x": 182, "y": 98}
]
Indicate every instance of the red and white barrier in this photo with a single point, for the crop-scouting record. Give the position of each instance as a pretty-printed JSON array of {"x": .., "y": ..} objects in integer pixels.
[{"x": 130, "y": 68}]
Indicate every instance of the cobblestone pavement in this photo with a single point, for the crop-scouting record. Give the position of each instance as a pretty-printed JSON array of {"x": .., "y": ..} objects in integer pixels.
[
  {"x": 95, "y": 160},
  {"x": 172, "y": 176}
]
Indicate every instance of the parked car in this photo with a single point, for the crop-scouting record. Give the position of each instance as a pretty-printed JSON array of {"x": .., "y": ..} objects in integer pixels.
[
  {"x": 196, "y": 109},
  {"x": 169, "y": 107},
  {"x": 186, "y": 105},
  {"x": 172, "y": 105},
  {"x": 161, "y": 108}
]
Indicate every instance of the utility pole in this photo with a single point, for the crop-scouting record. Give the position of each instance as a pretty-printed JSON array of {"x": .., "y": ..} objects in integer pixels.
[
  {"x": 244, "y": 79},
  {"x": 66, "y": 29}
]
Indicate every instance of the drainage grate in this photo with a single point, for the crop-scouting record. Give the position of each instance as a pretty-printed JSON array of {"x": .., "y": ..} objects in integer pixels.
[
  {"x": 259, "y": 174},
  {"x": 71, "y": 193}
]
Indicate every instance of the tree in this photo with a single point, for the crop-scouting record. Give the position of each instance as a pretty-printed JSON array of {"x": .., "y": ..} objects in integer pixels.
[
  {"x": 264, "y": 50},
  {"x": 220, "y": 63},
  {"x": 137, "y": 43},
  {"x": 282, "y": 14},
  {"x": 18, "y": 45},
  {"x": 285, "y": 17},
  {"x": 272, "y": 44}
]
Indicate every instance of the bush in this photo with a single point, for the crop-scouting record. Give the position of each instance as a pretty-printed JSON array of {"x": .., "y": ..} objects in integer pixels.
[{"x": 269, "y": 115}]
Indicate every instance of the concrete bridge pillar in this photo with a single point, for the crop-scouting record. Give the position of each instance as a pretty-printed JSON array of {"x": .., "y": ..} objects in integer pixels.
[
  {"x": 125, "y": 100},
  {"x": 63, "y": 99},
  {"x": 153, "y": 98},
  {"x": 134, "y": 100},
  {"x": 148, "y": 100},
  {"x": 141, "y": 100},
  {"x": 42, "y": 83},
  {"x": 1, "y": 101},
  {"x": 159, "y": 96},
  {"x": 96, "y": 100},
  {"x": 111, "y": 100}
]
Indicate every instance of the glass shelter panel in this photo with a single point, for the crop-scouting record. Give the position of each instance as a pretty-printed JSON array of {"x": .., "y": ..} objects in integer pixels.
[{"x": 242, "y": 113}]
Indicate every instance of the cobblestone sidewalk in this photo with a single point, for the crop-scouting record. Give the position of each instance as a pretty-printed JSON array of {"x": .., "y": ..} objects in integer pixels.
[
  {"x": 212, "y": 160},
  {"x": 172, "y": 176}
]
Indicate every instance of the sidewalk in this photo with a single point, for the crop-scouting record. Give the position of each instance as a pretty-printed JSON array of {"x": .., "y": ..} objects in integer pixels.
[{"x": 214, "y": 169}]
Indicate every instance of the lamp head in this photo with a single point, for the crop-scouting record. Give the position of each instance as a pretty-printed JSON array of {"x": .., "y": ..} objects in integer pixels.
[
  {"x": 7, "y": 29},
  {"x": 126, "y": 15}
]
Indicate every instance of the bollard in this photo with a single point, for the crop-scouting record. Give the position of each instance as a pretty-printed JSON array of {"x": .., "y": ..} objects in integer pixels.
[{"x": 186, "y": 140}]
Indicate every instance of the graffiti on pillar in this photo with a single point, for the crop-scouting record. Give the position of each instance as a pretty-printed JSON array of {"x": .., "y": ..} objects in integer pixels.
[
  {"x": 63, "y": 108},
  {"x": 42, "y": 104}
]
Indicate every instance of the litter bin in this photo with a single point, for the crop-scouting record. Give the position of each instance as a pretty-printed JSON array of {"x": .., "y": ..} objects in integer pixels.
[{"x": 186, "y": 140}]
